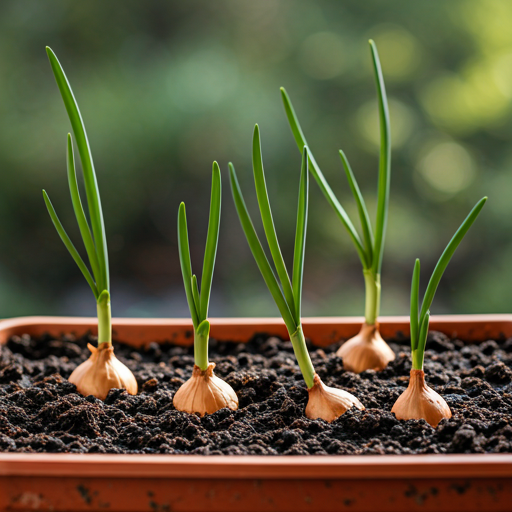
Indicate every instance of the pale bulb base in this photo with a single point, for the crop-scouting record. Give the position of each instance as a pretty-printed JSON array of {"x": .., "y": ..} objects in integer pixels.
[
  {"x": 101, "y": 373},
  {"x": 366, "y": 351},
  {"x": 419, "y": 401},
  {"x": 205, "y": 393},
  {"x": 328, "y": 403}
]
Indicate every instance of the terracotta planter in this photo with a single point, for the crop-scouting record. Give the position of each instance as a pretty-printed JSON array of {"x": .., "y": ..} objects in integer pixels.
[{"x": 125, "y": 483}]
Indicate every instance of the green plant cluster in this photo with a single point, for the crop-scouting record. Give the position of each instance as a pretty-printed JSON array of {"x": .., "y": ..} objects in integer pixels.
[{"x": 286, "y": 292}]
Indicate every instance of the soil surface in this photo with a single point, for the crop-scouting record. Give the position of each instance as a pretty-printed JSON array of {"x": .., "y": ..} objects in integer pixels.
[{"x": 40, "y": 411}]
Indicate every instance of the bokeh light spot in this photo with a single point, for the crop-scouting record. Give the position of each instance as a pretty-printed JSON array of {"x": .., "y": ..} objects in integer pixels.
[
  {"x": 399, "y": 51},
  {"x": 447, "y": 168},
  {"x": 403, "y": 122},
  {"x": 466, "y": 103},
  {"x": 447, "y": 103},
  {"x": 502, "y": 74}
]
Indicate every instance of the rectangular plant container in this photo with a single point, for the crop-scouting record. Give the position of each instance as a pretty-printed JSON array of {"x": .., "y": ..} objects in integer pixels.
[{"x": 69, "y": 482}]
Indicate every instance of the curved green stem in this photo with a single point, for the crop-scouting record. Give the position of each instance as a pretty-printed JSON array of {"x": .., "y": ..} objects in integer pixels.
[
  {"x": 419, "y": 354},
  {"x": 384, "y": 164},
  {"x": 417, "y": 360},
  {"x": 414, "y": 320},
  {"x": 302, "y": 355},
  {"x": 104, "y": 318},
  {"x": 320, "y": 179},
  {"x": 259, "y": 253},
  {"x": 201, "y": 336},
  {"x": 90, "y": 182},
  {"x": 372, "y": 296}
]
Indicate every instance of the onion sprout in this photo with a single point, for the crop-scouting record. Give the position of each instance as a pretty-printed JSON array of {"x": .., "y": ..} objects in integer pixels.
[
  {"x": 288, "y": 295},
  {"x": 419, "y": 401},
  {"x": 102, "y": 371},
  {"x": 95, "y": 242},
  {"x": 371, "y": 247},
  {"x": 420, "y": 321},
  {"x": 324, "y": 402},
  {"x": 204, "y": 393},
  {"x": 198, "y": 301}
]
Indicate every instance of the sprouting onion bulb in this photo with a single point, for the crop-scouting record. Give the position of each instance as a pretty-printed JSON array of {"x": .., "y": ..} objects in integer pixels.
[
  {"x": 418, "y": 400},
  {"x": 367, "y": 350},
  {"x": 102, "y": 371},
  {"x": 204, "y": 393},
  {"x": 324, "y": 402}
]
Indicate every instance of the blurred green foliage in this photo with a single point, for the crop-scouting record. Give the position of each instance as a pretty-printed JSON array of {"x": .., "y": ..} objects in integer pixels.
[{"x": 166, "y": 87}]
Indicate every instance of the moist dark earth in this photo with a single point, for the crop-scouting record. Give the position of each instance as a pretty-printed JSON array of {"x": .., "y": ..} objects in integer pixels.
[{"x": 40, "y": 411}]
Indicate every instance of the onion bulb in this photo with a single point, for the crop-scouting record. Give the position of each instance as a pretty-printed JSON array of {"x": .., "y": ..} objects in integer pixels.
[
  {"x": 419, "y": 401},
  {"x": 328, "y": 403},
  {"x": 101, "y": 373},
  {"x": 366, "y": 351},
  {"x": 205, "y": 393}
]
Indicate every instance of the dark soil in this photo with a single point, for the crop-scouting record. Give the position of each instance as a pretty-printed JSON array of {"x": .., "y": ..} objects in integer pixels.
[{"x": 40, "y": 411}]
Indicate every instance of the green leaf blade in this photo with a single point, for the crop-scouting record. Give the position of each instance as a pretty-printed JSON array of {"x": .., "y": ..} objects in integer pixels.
[
  {"x": 259, "y": 253},
  {"x": 321, "y": 181},
  {"x": 419, "y": 354},
  {"x": 91, "y": 186},
  {"x": 79, "y": 212},
  {"x": 185, "y": 263},
  {"x": 267, "y": 219},
  {"x": 414, "y": 320},
  {"x": 212, "y": 240},
  {"x": 203, "y": 329},
  {"x": 361, "y": 206},
  {"x": 384, "y": 164},
  {"x": 447, "y": 256},
  {"x": 69, "y": 245},
  {"x": 300, "y": 236},
  {"x": 195, "y": 295}
]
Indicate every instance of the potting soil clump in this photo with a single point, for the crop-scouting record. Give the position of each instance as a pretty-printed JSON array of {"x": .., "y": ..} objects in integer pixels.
[{"x": 40, "y": 411}]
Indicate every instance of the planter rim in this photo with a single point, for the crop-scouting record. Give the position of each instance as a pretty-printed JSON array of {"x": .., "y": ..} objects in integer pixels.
[
  {"x": 257, "y": 466},
  {"x": 311, "y": 321},
  {"x": 322, "y": 331}
]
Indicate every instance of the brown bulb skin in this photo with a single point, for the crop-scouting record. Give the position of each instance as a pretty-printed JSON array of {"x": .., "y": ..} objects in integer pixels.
[
  {"x": 366, "y": 351},
  {"x": 205, "y": 393},
  {"x": 328, "y": 403},
  {"x": 101, "y": 373},
  {"x": 419, "y": 401}
]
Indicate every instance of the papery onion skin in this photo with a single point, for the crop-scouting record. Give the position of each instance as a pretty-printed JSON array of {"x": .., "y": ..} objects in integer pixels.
[
  {"x": 328, "y": 403},
  {"x": 205, "y": 393},
  {"x": 102, "y": 372},
  {"x": 419, "y": 401},
  {"x": 366, "y": 351}
]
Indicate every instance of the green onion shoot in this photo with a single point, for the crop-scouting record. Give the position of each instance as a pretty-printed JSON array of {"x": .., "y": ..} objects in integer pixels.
[
  {"x": 102, "y": 371},
  {"x": 204, "y": 393},
  {"x": 367, "y": 350},
  {"x": 418, "y": 400},
  {"x": 324, "y": 402}
]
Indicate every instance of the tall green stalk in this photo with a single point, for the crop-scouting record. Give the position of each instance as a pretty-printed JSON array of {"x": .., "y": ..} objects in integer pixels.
[
  {"x": 370, "y": 247},
  {"x": 94, "y": 241},
  {"x": 287, "y": 294},
  {"x": 199, "y": 300}
]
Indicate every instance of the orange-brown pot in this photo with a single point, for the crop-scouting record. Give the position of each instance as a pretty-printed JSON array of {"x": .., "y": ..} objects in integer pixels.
[{"x": 69, "y": 482}]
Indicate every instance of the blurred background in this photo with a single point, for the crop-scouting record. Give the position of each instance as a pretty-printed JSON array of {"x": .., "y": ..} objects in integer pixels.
[{"x": 166, "y": 87}]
